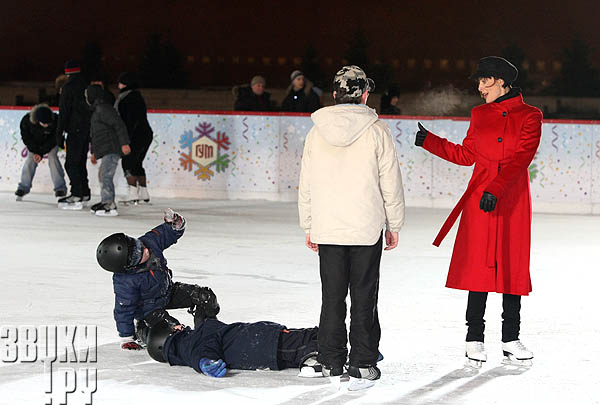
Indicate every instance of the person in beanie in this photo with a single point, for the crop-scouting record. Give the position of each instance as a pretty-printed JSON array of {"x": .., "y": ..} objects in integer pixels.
[
  {"x": 74, "y": 120},
  {"x": 38, "y": 129},
  {"x": 132, "y": 108},
  {"x": 143, "y": 283},
  {"x": 109, "y": 143},
  {"x": 253, "y": 98},
  {"x": 492, "y": 247},
  {"x": 300, "y": 95},
  {"x": 350, "y": 190}
]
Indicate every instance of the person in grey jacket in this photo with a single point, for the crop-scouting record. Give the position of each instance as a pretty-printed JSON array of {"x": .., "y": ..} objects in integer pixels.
[{"x": 109, "y": 142}]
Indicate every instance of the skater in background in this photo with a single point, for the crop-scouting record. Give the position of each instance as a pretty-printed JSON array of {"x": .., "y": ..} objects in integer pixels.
[
  {"x": 109, "y": 142},
  {"x": 74, "y": 120},
  {"x": 350, "y": 189},
  {"x": 491, "y": 252},
  {"x": 132, "y": 108},
  {"x": 108, "y": 95},
  {"x": 38, "y": 131},
  {"x": 214, "y": 346},
  {"x": 143, "y": 283},
  {"x": 300, "y": 96},
  {"x": 389, "y": 102},
  {"x": 253, "y": 98}
]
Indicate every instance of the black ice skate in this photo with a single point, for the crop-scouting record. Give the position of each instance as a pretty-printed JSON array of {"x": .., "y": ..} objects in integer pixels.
[
  {"x": 362, "y": 377},
  {"x": 310, "y": 367},
  {"x": 70, "y": 203},
  {"x": 20, "y": 193}
]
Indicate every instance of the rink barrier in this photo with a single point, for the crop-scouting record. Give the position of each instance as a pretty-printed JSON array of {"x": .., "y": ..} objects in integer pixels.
[{"x": 232, "y": 155}]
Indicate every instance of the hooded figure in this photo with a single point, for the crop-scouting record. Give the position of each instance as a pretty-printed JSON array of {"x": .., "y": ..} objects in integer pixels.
[{"x": 350, "y": 190}]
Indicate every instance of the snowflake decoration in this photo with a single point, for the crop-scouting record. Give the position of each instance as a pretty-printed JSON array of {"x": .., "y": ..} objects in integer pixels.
[{"x": 201, "y": 150}]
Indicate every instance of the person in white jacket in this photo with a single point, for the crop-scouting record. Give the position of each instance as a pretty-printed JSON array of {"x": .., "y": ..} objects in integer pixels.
[{"x": 350, "y": 189}]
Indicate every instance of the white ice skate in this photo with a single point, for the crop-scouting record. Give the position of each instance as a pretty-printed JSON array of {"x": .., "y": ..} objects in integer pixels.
[
  {"x": 516, "y": 354},
  {"x": 362, "y": 378},
  {"x": 105, "y": 210},
  {"x": 310, "y": 367},
  {"x": 475, "y": 354},
  {"x": 132, "y": 196},
  {"x": 143, "y": 196}
]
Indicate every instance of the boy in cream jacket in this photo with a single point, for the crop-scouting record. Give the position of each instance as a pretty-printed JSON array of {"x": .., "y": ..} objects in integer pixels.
[{"x": 350, "y": 190}]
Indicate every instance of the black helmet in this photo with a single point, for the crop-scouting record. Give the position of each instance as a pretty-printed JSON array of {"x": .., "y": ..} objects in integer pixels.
[
  {"x": 157, "y": 336},
  {"x": 119, "y": 251}
]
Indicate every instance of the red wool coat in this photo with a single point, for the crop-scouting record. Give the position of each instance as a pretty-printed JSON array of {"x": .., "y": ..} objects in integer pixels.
[{"x": 491, "y": 252}]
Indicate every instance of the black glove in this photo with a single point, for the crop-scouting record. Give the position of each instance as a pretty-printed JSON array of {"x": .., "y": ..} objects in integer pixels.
[
  {"x": 420, "y": 135},
  {"x": 488, "y": 202}
]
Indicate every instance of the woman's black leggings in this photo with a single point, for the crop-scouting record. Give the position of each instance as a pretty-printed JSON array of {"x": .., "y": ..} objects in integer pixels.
[{"x": 511, "y": 316}]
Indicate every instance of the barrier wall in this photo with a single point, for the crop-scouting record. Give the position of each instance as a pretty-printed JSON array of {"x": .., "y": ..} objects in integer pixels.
[{"x": 231, "y": 156}]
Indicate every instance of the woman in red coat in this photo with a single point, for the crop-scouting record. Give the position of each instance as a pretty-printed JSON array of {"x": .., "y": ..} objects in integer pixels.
[{"x": 491, "y": 252}]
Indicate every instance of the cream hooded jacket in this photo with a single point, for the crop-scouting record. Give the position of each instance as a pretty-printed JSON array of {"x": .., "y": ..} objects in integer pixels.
[{"x": 350, "y": 180}]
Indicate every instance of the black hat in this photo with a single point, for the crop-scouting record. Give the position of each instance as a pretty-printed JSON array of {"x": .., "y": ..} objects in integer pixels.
[
  {"x": 72, "y": 67},
  {"x": 128, "y": 79},
  {"x": 495, "y": 66},
  {"x": 43, "y": 114}
]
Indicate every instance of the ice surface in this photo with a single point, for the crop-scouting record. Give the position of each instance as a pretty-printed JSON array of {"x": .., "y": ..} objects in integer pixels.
[{"x": 252, "y": 254}]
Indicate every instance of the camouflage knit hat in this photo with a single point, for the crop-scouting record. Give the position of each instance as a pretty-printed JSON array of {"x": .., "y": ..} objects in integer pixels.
[{"x": 352, "y": 81}]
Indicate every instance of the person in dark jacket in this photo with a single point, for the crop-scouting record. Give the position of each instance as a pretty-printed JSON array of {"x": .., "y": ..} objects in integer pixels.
[
  {"x": 38, "y": 129},
  {"x": 253, "y": 98},
  {"x": 213, "y": 346},
  {"x": 389, "y": 102},
  {"x": 108, "y": 95},
  {"x": 300, "y": 96},
  {"x": 132, "y": 108},
  {"x": 142, "y": 281},
  {"x": 74, "y": 120},
  {"x": 109, "y": 141}
]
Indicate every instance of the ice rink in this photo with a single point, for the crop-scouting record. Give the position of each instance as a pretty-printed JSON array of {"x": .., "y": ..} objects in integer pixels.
[{"x": 252, "y": 254}]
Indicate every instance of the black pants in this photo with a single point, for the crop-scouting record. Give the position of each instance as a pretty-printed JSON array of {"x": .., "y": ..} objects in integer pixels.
[
  {"x": 201, "y": 301},
  {"x": 294, "y": 345},
  {"x": 511, "y": 316},
  {"x": 132, "y": 163},
  {"x": 75, "y": 163},
  {"x": 357, "y": 268}
]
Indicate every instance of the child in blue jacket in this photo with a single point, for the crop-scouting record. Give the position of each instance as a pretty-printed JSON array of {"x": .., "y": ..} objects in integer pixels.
[{"x": 143, "y": 283}]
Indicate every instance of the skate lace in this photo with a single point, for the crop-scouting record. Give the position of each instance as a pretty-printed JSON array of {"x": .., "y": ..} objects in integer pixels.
[{"x": 520, "y": 345}]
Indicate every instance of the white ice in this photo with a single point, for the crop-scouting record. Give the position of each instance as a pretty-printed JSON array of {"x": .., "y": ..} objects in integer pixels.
[{"x": 252, "y": 254}]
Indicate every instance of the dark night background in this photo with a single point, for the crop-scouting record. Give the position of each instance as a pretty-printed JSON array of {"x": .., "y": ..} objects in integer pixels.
[{"x": 417, "y": 44}]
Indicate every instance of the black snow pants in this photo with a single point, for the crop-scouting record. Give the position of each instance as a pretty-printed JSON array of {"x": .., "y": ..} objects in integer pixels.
[
  {"x": 201, "y": 301},
  {"x": 294, "y": 345},
  {"x": 355, "y": 268},
  {"x": 77, "y": 147},
  {"x": 511, "y": 316}
]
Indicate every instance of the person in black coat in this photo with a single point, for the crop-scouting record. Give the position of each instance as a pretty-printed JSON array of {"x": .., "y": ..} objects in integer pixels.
[
  {"x": 132, "y": 108},
  {"x": 213, "y": 346},
  {"x": 38, "y": 129},
  {"x": 389, "y": 102},
  {"x": 74, "y": 120},
  {"x": 300, "y": 96},
  {"x": 253, "y": 98}
]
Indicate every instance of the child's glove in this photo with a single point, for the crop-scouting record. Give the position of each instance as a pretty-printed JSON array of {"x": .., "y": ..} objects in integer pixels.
[
  {"x": 129, "y": 343},
  {"x": 177, "y": 221},
  {"x": 213, "y": 368}
]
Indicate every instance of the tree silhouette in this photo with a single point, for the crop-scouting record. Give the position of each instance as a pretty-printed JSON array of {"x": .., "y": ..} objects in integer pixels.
[
  {"x": 162, "y": 65},
  {"x": 311, "y": 67},
  {"x": 515, "y": 55},
  {"x": 578, "y": 77}
]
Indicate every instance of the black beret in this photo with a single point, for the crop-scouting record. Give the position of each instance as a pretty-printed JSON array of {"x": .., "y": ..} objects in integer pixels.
[{"x": 495, "y": 66}]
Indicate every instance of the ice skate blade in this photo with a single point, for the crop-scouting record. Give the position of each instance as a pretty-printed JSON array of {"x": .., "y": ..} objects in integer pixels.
[
  {"x": 309, "y": 372},
  {"x": 473, "y": 363},
  {"x": 19, "y": 198},
  {"x": 103, "y": 213},
  {"x": 336, "y": 382},
  {"x": 71, "y": 207},
  {"x": 357, "y": 384},
  {"x": 513, "y": 361},
  {"x": 129, "y": 202}
]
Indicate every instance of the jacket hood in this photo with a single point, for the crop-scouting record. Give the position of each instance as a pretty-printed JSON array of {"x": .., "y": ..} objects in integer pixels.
[
  {"x": 94, "y": 94},
  {"x": 32, "y": 115},
  {"x": 342, "y": 124}
]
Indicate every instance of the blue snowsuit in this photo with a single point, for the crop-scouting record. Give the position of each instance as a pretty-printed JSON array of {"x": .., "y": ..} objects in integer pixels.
[
  {"x": 243, "y": 346},
  {"x": 147, "y": 286}
]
